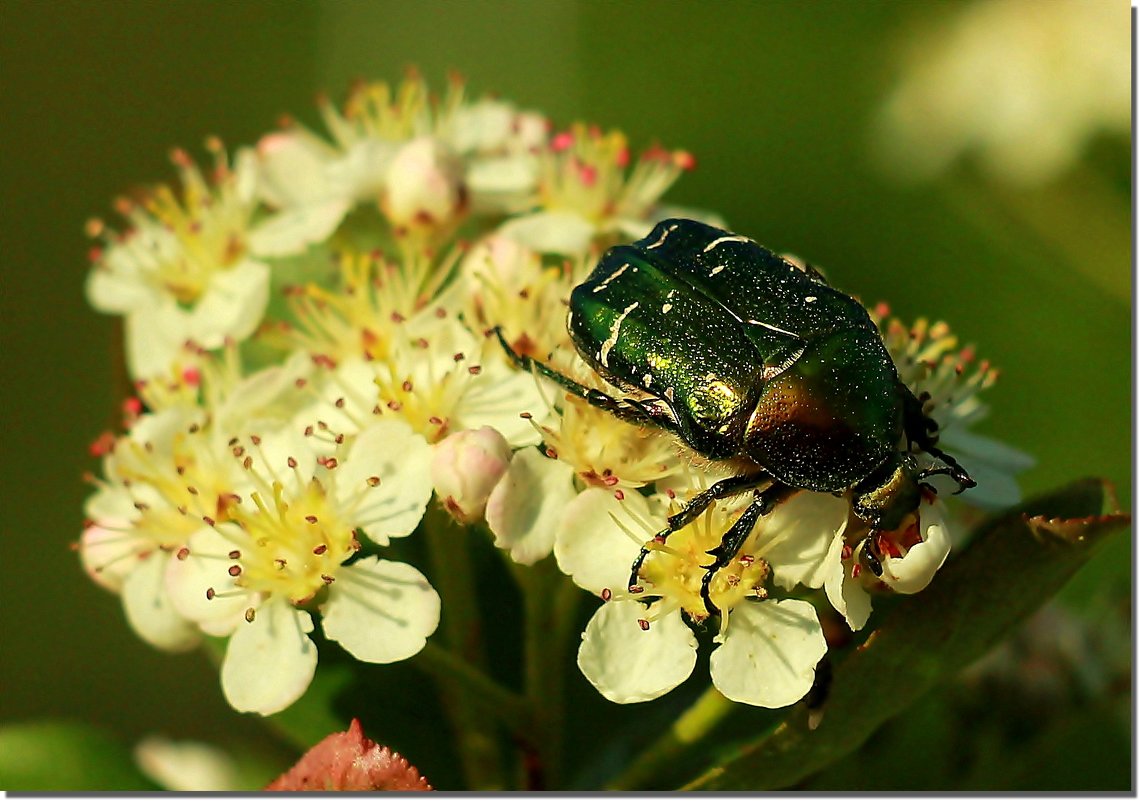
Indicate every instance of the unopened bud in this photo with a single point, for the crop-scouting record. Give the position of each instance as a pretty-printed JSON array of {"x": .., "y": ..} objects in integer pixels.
[
  {"x": 423, "y": 187},
  {"x": 465, "y": 467}
]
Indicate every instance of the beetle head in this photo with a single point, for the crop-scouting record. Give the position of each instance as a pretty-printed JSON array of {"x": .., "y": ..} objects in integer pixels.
[{"x": 888, "y": 495}]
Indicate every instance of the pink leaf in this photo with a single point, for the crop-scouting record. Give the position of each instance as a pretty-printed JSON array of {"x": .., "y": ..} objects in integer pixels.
[{"x": 350, "y": 761}]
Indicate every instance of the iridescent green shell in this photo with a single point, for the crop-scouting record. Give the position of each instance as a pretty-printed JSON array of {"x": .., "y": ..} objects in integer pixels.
[{"x": 752, "y": 355}]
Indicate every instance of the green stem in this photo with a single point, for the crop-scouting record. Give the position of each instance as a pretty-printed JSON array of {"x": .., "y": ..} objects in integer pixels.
[
  {"x": 475, "y": 731},
  {"x": 697, "y": 721},
  {"x": 550, "y": 602},
  {"x": 491, "y": 697}
]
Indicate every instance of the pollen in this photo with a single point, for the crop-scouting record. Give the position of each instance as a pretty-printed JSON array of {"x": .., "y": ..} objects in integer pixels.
[
  {"x": 291, "y": 541},
  {"x": 676, "y": 569}
]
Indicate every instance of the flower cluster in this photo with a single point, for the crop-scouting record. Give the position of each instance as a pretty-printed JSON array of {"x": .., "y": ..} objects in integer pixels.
[{"x": 313, "y": 329}]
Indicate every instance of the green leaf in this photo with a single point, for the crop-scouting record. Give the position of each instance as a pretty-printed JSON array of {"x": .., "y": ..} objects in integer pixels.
[
  {"x": 66, "y": 757},
  {"x": 1015, "y": 563}
]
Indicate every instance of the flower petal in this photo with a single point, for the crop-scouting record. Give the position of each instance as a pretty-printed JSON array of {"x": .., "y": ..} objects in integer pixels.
[
  {"x": 401, "y": 459},
  {"x": 913, "y": 572},
  {"x": 627, "y": 664},
  {"x": 769, "y": 653},
  {"x": 293, "y": 166},
  {"x": 187, "y": 766},
  {"x": 551, "y": 232},
  {"x": 188, "y": 580},
  {"x": 116, "y": 288},
  {"x": 108, "y": 549},
  {"x": 498, "y": 399},
  {"x": 593, "y": 546},
  {"x": 270, "y": 661},
  {"x": 380, "y": 611},
  {"x": 797, "y": 536},
  {"x": 154, "y": 335},
  {"x": 525, "y": 507},
  {"x": 846, "y": 593},
  {"x": 294, "y": 228},
  {"x": 232, "y": 305},
  {"x": 149, "y": 610}
]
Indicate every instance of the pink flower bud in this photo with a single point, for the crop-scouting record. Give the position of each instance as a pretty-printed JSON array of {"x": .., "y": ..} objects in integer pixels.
[
  {"x": 465, "y": 468},
  {"x": 424, "y": 186}
]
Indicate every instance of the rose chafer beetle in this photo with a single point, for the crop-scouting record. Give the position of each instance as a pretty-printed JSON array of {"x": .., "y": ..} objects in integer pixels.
[{"x": 745, "y": 356}]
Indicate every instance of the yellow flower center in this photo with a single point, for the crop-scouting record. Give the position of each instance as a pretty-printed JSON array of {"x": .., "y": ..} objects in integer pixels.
[
  {"x": 607, "y": 452},
  {"x": 291, "y": 547},
  {"x": 675, "y": 569},
  {"x": 369, "y": 309},
  {"x": 184, "y": 486}
]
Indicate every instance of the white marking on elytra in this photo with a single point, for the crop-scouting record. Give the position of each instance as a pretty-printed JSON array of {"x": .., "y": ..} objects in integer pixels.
[
  {"x": 669, "y": 394},
  {"x": 647, "y": 379},
  {"x": 615, "y": 329},
  {"x": 716, "y": 270},
  {"x": 724, "y": 239},
  {"x": 612, "y": 276},
  {"x": 810, "y": 299},
  {"x": 771, "y": 327},
  {"x": 666, "y": 307},
  {"x": 664, "y": 236},
  {"x": 772, "y": 371}
]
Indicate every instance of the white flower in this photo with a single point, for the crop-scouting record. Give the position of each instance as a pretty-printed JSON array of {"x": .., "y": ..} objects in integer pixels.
[
  {"x": 187, "y": 268},
  {"x": 500, "y": 145},
  {"x": 296, "y": 178},
  {"x": 443, "y": 380},
  {"x": 508, "y": 285},
  {"x": 159, "y": 481},
  {"x": 909, "y": 558},
  {"x": 417, "y": 157},
  {"x": 374, "y": 302},
  {"x": 587, "y": 190},
  {"x": 768, "y": 649},
  {"x": 585, "y": 447},
  {"x": 288, "y": 544},
  {"x": 1021, "y": 84}
]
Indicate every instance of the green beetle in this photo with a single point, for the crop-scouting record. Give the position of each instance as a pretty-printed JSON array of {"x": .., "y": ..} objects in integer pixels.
[{"x": 743, "y": 355}]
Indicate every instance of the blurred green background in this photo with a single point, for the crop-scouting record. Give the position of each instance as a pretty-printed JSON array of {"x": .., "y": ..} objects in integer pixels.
[{"x": 775, "y": 100}]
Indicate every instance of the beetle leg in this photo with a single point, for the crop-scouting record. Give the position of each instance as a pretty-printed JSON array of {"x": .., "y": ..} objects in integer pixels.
[
  {"x": 629, "y": 410},
  {"x": 736, "y": 536},
  {"x": 725, "y": 488},
  {"x": 524, "y": 362},
  {"x": 868, "y": 558},
  {"x": 919, "y": 431}
]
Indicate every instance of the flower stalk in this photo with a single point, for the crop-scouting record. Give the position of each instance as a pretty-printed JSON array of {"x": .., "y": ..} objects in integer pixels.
[
  {"x": 550, "y": 603},
  {"x": 476, "y": 735},
  {"x": 693, "y": 725}
]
